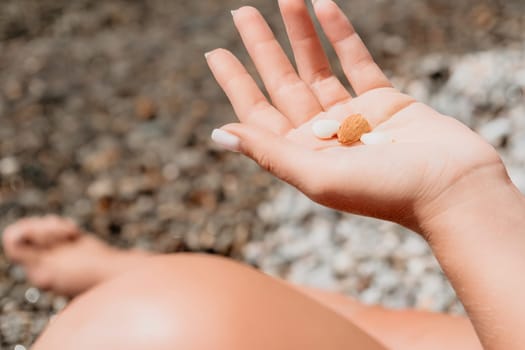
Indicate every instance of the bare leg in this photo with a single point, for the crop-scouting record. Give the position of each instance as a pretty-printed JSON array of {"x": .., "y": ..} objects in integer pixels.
[
  {"x": 190, "y": 301},
  {"x": 70, "y": 262},
  {"x": 403, "y": 329}
]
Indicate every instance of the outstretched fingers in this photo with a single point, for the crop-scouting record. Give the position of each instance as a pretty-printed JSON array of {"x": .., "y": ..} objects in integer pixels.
[
  {"x": 357, "y": 62},
  {"x": 249, "y": 103},
  {"x": 289, "y": 93},
  {"x": 312, "y": 63}
]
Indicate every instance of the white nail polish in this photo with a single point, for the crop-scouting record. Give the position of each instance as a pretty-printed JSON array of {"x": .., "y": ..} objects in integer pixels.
[
  {"x": 376, "y": 138},
  {"x": 226, "y": 140}
]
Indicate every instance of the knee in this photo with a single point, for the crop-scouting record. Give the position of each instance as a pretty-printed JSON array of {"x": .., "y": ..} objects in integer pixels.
[{"x": 171, "y": 302}]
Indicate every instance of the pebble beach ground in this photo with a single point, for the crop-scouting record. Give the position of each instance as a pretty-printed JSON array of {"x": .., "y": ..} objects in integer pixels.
[{"x": 106, "y": 110}]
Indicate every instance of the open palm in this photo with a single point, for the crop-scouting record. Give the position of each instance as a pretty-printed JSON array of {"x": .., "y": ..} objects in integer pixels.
[{"x": 391, "y": 181}]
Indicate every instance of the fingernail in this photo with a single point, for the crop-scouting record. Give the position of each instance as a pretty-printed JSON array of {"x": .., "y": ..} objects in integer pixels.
[
  {"x": 233, "y": 12},
  {"x": 226, "y": 140},
  {"x": 207, "y": 54}
]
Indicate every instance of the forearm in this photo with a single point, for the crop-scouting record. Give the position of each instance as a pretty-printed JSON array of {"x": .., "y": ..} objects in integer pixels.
[{"x": 480, "y": 244}]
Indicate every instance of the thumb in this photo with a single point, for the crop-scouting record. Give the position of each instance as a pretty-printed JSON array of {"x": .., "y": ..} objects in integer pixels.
[{"x": 281, "y": 157}]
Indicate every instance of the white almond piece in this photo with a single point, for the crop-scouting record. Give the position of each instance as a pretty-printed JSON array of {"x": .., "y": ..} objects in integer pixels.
[
  {"x": 325, "y": 128},
  {"x": 376, "y": 138}
]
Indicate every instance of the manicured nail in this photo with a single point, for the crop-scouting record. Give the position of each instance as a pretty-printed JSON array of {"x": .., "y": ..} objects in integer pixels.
[{"x": 226, "y": 140}]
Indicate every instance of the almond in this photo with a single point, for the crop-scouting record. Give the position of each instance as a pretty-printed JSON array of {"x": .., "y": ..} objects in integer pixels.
[{"x": 352, "y": 128}]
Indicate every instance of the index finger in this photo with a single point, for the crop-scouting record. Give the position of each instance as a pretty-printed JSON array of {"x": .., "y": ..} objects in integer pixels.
[
  {"x": 249, "y": 103},
  {"x": 312, "y": 63}
]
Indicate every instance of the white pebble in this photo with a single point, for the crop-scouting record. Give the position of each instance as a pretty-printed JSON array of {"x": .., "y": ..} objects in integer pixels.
[
  {"x": 9, "y": 166},
  {"x": 32, "y": 295},
  {"x": 495, "y": 131},
  {"x": 376, "y": 138},
  {"x": 325, "y": 128}
]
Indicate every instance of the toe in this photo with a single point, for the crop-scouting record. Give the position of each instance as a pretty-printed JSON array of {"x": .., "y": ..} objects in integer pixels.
[
  {"x": 31, "y": 231},
  {"x": 48, "y": 230},
  {"x": 16, "y": 243},
  {"x": 10, "y": 237},
  {"x": 36, "y": 232},
  {"x": 40, "y": 278},
  {"x": 56, "y": 228}
]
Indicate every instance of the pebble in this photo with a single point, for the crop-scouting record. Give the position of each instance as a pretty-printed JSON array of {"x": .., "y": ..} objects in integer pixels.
[
  {"x": 495, "y": 130},
  {"x": 394, "y": 45},
  {"x": 14, "y": 326},
  {"x": 145, "y": 108},
  {"x": 325, "y": 128},
  {"x": 101, "y": 159},
  {"x": 342, "y": 263},
  {"x": 170, "y": 171},
  {"x": 101, "y": 188},
  {"x": 17, "y": 273},
  {"x": 517, "y": 145},
  {"x": 517, "y": 175},
  {"x": 376, "y": 138},
  {"x": 13, "y": 89},
  {"x": 32, "y": 295},
  {"x": 416, "y": 266},
  {"x": 59, "y": 303},
  {"x": 371, "y": 295},
  {"x": 387, "y": 280},
  {"x": 9, "y": 166},
  {"x": 413, "y": 245},
  {"x": 39, "y": 323}
]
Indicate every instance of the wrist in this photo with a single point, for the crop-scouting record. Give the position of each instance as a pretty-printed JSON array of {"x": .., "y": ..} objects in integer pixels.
[
  {"x": 477, "y": 232},
  {"x": 486, "y": 194}
]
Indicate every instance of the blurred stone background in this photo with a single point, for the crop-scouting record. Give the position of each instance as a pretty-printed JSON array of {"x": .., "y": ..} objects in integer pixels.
[{"x": 106, "y": 109}]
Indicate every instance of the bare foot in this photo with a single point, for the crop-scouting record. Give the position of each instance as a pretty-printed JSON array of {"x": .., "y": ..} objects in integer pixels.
[{"x": 58, "y": 256}]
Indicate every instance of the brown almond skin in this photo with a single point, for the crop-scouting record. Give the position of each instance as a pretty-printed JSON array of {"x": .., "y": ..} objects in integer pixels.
[{"x": 352, "y": 128}]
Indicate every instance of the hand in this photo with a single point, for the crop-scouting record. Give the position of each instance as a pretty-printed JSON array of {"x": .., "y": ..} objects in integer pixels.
[{"x": 407, "y": 181}]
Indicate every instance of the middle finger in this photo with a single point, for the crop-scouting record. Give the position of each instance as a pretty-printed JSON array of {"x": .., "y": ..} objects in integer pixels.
[
  {"x": 310, "y": 57},
  {"x": 289, "y": 93}
]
